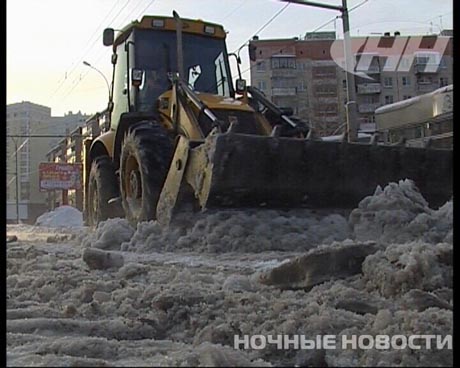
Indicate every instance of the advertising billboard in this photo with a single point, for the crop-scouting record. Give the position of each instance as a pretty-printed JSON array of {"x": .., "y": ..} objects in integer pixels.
[{"x": 61, "y": 176}]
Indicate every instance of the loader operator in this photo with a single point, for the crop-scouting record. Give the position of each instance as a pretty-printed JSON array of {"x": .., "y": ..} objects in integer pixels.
[{"x": 151, "y": 88}]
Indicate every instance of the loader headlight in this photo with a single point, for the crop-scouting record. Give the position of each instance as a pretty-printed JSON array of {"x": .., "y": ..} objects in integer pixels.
[
  {"x": 158, "y": 23},
  {"x": 136, "y": 76},
  {"x": 209, "y": 30}
]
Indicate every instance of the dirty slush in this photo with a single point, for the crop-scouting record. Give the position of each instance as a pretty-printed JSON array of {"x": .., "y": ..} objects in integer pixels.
[{"x": 119, "y": 296}]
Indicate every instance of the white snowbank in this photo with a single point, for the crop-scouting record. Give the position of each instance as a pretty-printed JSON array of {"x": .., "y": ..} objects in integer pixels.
[
  {"x": 241, "y": 231},
  {"x": 399, "y": 214},
  {"x": 63, "y": 216},
  {"x": 110, "y": 234}
]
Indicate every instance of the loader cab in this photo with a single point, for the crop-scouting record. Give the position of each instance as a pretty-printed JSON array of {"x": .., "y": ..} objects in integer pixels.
[{"x": 146, "y": 57}]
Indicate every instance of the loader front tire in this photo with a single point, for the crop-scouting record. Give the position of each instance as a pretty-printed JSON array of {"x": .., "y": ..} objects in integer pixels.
[
  {"x": 102, "y": 186},
  {"x": 144, "y": 163}
]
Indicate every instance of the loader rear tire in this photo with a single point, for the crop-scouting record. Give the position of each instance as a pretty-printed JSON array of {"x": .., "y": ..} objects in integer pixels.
[
  {"x": 144, "y": 163},
  {"x": 102, "y": 186}
]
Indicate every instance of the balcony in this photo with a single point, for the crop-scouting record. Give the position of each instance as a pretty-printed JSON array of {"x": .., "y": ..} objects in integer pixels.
[
  {"x": 284, "y": 73},
  {"x": 367, "y": 108},
  {"x": 427, "y": 62},
  {"x": 426, "y": 68},
  {"x": 369, "y": 88},
  {"x": 284, "y": 91},
  {"x": 373, "y": 69},
  {"x": 322, "y": 99},
  {"x": 426, "y": 87},
  {"x": 322, "y": 76}
]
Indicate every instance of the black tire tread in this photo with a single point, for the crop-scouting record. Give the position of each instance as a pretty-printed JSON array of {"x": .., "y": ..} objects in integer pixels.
[
  {"x": 152, "y": 144},
  {"x": 103, "y": 173}
]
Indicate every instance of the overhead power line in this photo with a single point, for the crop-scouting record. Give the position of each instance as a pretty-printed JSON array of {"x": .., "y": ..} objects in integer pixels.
[
  {"x": 85, "y": 53},
  {"x": 265, "y": 25},
  {"x": 244, "y": 2},
  {"x": 316, "y": 29},
  {"x": 101, "y": 50}
]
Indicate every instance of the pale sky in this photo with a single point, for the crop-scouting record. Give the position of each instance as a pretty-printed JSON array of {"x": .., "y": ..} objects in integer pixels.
[{"x": 48, "y": 40}]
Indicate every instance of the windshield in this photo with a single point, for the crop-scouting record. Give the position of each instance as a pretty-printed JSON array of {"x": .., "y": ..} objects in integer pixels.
[{"x": 205, "y": 64}]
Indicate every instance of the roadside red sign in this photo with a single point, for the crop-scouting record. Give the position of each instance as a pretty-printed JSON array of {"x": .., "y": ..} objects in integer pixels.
[{"x": 62, "y": 176}]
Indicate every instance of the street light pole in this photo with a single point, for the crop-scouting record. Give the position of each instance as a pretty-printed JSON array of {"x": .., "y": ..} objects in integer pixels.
[
  {"x": 352, "y": 123},
  {"x": 103, "y": 76},
  {"x": 352, "y": 113}
]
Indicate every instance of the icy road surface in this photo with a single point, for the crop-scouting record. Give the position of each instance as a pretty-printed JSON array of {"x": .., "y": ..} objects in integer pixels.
[{"x": 178, "y": 297}]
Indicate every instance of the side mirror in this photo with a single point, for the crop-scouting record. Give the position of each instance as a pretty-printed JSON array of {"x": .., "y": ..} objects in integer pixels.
[
  {"x": 108, "y": 36},
  {"x": 252, "y": 52},
  {"x": 240, "y": 86}
]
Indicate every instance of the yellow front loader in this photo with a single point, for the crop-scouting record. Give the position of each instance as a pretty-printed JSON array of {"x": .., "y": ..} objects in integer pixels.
[{"x": 181, "y": 133}]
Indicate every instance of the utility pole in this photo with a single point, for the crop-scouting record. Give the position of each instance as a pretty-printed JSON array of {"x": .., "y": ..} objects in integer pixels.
[{"x": 351, "y": 109}]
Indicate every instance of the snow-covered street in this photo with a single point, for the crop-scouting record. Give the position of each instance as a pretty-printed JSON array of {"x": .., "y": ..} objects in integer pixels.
[{"x": 118, "y": 296}]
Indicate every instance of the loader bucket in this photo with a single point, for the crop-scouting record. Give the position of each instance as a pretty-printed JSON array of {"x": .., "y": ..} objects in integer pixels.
[{"x": 238, "y": 171}]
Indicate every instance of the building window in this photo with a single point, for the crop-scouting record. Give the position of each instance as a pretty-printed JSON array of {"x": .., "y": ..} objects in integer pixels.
[
  {"x": 404, "y": 63},
  {"x": 388, "y": 82},
  {"x": 283, "y": 83},
  {"x": 262, "y": 85},
  {"x": 326, "y": 110},
  {"x": 324, "y": 72},
  {"x": 260, "y": 66},
  {"x": 405, "y": 81},
  {"x": 283, "y": 63},
  {"x": 326, "y": 91},
  {"x": 388, "y": 99},
  {"x": 25, "y": 191},
  {"x": 443, "y": 82},
  {"x": 425, "y": 80},
  {"x": 406, "y": 97},
  {"x": 370, "y": 99},
  {"x": 301, "y": 87},
  {"x": 344, "y": 84},
  {"x": 443, "y": 63}
]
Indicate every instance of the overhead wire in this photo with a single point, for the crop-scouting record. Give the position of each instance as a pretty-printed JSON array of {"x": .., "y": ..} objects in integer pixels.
[
  {"x": 316, "y": 29},
  {"x": 265, "y": 25},
  {"x": 101, "y": 52},
  {"x": 243, "y": 2},
  {"x": 75, "y": 64},
  {"x": 82, "y": 77}
]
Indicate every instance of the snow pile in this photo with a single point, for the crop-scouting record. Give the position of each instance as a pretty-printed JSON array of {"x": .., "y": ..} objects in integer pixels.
[
  {"x": 159, "y": 313},
  {"x": 402, "y": 267},
  {"x": 109, "y": 234},
  {"x": 178, "y": 297},
  {"x": 248, "y": 231},
  {"x": 433, "y": 321},
  {"x": 399, "y": 214},
  {"x": 63, "y": 216}
]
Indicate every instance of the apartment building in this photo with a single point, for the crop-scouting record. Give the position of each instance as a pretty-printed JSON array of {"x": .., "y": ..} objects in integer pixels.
[
  {"x": 25, "y": 122},
  {"x": 70, "y": 150},
  {"x": 305, "y": 75}
]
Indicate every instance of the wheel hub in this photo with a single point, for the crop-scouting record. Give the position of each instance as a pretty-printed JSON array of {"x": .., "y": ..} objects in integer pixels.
[
  {"x": 135, "y": 183},
  {"x": 95, "y": 201}
]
